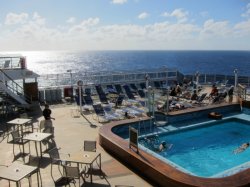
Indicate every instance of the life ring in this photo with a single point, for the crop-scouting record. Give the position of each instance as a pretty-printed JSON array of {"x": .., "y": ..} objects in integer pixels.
[{"x": 215, "y": 115}]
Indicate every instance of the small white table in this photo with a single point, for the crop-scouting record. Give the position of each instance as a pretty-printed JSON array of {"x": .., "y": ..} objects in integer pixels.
[
  {"x": 37, "y": 137},
  {"x": 18, "y": 122},
  {"x": 86, "y": 157},
  {"x": 16, "y": 172}
]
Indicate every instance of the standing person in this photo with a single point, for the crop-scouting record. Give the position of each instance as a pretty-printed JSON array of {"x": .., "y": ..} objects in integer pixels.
[
  {"x": 47, "y": 112},
  {"x": 230, "y": 94},
  {"x": 48, "y": 126}
]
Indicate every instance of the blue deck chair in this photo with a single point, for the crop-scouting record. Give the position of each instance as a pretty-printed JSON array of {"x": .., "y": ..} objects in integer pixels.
[
  {"x": 133, "y": 86},
  {"x": 99, "y": 89},
  {"x": 118, "y": 88},
  {"x": 103, "y": 98},
  {"x": 110, "y": 89},
  {"x": 201, "y": 98},
  {"x": 143, "y": 85},
  {"x": 157, "y": 84},
  {"x": 128, "y": 92},
  {"x": 119, "y": 100},
  {"x": 141, "y": 93},
  {"x": 88, "y": 91},
  {"x": 88, "y": 100},
  {"x": 101, "y": 94},
  {"x": 220, "y": 97},
  {"x": 110, "y": 86},
  {"x": 101, "y": 113}
]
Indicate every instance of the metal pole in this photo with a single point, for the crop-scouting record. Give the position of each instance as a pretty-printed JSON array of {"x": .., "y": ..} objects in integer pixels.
[
  {"x": 197, "y": 81},
  {"x": 167, "y": 100},
  {"x": 80, "y": 83},
  {"x": 80, "y": 98},
  {"x": 235, "y": 79}
]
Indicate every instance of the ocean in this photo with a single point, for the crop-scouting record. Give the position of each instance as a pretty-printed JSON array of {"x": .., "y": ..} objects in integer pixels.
[{"x": 187, "y": 62}]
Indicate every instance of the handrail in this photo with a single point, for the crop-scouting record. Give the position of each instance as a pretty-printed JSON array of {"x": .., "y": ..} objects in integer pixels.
[{"x": 19, "y": 90}]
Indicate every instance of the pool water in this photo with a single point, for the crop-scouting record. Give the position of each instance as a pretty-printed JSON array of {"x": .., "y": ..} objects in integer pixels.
[{"x": 206, "y": 150}]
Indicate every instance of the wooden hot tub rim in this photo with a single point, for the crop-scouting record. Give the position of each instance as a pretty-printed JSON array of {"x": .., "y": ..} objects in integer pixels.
[{"x": 164, "y": 173}]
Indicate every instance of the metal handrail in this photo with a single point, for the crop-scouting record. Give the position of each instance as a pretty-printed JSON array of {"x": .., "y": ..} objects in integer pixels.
[{"x": 19, "y": 89}]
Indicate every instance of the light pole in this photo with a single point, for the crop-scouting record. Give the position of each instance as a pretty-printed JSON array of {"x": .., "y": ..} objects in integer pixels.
[
  {"x": 235, "y": 79},
  {"x": 151, "y": 100},
  {"x": 168, "y": 88},
  {"x": 147, "y": 80}
]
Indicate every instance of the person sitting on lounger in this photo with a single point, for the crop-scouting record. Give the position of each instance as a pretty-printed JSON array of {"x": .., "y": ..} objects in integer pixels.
[
  {"x": 194, "y": 96},
  {"x": 214, "y": 92},
  {"x": 242, "y": 148}
]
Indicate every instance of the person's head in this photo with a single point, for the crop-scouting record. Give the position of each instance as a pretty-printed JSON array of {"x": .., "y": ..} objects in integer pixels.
[
  {"x": 247, "y": 143},
  {"x": 163, "y": 144},
  {"x": 46, "y": 106}
]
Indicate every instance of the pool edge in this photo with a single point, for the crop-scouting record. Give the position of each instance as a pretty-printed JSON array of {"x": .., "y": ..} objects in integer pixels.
[{"x": 165, "y": 174}]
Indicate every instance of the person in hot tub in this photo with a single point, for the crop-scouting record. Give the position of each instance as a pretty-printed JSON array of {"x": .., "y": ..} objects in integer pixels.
[
  {"x": 164, "y": 146},
  {"x": 242, "y": 148}
]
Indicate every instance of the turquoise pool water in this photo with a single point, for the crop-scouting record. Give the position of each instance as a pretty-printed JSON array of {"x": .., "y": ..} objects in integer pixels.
[{"x": 207, "y": 150}]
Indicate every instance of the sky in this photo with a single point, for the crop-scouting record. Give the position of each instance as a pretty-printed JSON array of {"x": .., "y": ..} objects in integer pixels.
[{"x": 31, "y": 25}]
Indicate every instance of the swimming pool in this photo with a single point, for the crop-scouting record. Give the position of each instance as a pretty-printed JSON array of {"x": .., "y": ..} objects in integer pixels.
[
  {"x": 207, "y": 150},
  {"x": 164, "y": 172}
]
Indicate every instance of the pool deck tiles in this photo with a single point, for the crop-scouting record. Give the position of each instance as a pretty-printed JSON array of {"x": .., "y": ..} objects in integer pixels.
[{"x": 70, "y": 132}]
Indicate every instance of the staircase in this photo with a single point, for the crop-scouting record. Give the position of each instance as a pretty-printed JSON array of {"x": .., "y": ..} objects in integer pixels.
[{"x": 12, "y": 95}]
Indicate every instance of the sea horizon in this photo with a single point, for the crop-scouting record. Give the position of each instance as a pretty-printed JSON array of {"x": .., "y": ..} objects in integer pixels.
[{"x": 185, "y": 61}]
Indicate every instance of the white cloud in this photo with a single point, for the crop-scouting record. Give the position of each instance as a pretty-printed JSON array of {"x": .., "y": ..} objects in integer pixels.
[
  {"x": 179, "y": 14},
  {"x": 243, "y": 28},
  {"x": 38, "y": 19},
  {"x": 118, "y": 1},
  {"x": 71, "y": 20},
  {"x": 213, "y": 29},
  {"x": 247, "y": 13},
  {"x": 12, "y": 18},
  {"x": 85, "y": 24},
  {"x": 34, "y": 34},
  {"x": 143, "y": 15}
]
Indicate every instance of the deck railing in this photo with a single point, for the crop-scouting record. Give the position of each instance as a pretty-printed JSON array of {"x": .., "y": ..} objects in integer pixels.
[
  {"x": 220, "y": 79},
  {"x": 93, "y": 78}
]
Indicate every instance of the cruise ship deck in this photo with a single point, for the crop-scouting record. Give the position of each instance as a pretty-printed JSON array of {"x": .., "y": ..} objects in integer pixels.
[{"x": 70, "y": 133}]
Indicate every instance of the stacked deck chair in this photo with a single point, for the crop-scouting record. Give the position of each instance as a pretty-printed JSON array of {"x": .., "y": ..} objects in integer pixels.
[
  {"x": 101, "y": 113},
  {"x": 101, "y": 94},
  {"x": 143, "y": 85},
  {"x": 118, "y": 88},
  {"x": 141, "y": 93},
  {"x": 128, "y": 92}
]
